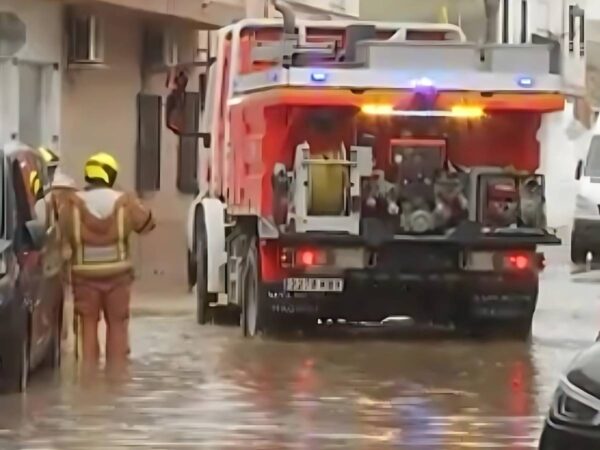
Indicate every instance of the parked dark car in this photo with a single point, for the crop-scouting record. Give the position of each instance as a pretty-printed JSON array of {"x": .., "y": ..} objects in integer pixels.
[
  {"x": 573, "y": 422},
  {"x": 31, "y": 294}
]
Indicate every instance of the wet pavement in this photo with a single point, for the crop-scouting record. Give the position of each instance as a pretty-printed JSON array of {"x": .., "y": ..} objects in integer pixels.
[{"x": 206, "y": 387}]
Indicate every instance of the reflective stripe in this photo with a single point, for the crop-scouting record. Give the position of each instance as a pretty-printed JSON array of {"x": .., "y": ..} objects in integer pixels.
[
  {"x": 87, "y": 258},
  {"x": 78, "y": 254},
  {"x": 51, "y": 210},
  {"x": 121, "y": 243},
  {"x": 106, "y": 254},
  {"x": 101, "y": 267}
]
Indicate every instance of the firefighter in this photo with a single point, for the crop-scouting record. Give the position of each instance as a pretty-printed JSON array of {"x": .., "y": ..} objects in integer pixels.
[
  {"x": 60, "y": 186},
  {"x": 47, "y": 211},
  {"x": 98, "y": 222}
]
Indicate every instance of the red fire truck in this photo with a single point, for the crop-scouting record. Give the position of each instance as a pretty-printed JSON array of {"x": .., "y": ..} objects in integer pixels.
[{"x": 359, "y": 171}]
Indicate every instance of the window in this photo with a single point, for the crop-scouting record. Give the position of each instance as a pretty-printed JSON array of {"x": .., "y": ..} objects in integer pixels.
[
  {"x": 148, "y": 143},
  {"x": 187, "y": 154},
  {"x": 30, "y": 104},
  {"x": 24, "y": 205}
]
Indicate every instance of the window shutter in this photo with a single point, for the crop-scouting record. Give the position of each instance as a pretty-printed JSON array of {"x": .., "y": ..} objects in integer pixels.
[
  {"x": 149, "y": 143},
  {"x": 187, "y": 155}
]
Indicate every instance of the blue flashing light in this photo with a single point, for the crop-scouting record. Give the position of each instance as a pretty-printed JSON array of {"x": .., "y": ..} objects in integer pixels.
[
  {"x": 422, "y": 82},
  {"x": 525, "y": 82},
  {"x": 319, "y": 77}
]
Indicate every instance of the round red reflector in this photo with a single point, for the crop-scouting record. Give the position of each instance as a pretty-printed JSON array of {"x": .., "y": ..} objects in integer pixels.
[{"x": 307, "y": 257}]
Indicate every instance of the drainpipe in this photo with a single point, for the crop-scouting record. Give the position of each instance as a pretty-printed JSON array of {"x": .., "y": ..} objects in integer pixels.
[{"x": 492, "y": 8}]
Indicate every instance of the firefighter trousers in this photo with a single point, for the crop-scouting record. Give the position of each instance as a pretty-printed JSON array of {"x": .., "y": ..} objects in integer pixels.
[{"x": 110, "y": 297}]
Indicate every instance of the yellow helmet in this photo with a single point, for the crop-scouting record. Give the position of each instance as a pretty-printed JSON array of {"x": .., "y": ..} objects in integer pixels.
[
  {"x": 101, "y": 167},
  {"x": 35, "y": 184},
  {"x": 50, "y": 157}
]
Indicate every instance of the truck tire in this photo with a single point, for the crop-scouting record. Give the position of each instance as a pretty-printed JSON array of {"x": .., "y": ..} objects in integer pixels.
[
  {"x": 203, "y": 297},
  {"x": 192, "y": 268},
  {"x": 518, "y": 330},
  {"x": 253, "y": 320}
]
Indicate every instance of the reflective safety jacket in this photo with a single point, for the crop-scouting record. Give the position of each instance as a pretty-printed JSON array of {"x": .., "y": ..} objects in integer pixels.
[{"x": 98, "y": 223}]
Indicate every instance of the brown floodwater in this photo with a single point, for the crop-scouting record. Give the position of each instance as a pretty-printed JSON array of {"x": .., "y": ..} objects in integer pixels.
[{"x": 192, "y": 387}]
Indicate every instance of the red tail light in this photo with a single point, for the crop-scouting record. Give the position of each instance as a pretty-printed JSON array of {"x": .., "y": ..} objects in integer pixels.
[
  {"x": 518, "y": 261},
  {"x": 303, "y": 257},
  {"x": 307, "y": 257}
]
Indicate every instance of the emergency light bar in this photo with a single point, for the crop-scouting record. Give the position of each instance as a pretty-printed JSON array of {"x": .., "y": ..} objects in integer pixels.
[{"x": 465, "y": 112}]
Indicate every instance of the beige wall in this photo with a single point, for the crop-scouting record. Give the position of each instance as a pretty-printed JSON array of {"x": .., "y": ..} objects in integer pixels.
[
  {"x": 164, "y": 260},
  {"x": 99, "y": 105},
  {"x": 469, "y": 13},
  {"x": 99, "y": 113},
  {"x": 44, "y": 28}
]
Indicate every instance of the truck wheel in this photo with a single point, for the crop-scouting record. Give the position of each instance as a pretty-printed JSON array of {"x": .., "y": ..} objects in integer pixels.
[
  {"x": 519, "y": 330},
  {"x": 192, "y": 268},
  {"x": 253, "y": 312},
  {"x": 203, "y": 297}
]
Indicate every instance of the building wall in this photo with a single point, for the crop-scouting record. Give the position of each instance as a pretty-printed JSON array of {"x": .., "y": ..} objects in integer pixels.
[
  {"x": 100, "y": 114},
  {"x": 99, "y": 105},
  {"x": 43, "y": 21},
  {"x": 469, "y": 14},
  {"x": 44, "y": 28},
  {"x": 349, "y": 8}
]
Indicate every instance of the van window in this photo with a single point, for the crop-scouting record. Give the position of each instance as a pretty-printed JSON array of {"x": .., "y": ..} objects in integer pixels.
[{"x": 592, "y": 164}]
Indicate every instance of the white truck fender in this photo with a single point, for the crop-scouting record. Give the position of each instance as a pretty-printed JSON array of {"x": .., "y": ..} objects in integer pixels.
[
  {"x": 214, "y": 218},
  {"x": 191, "y": 224}
]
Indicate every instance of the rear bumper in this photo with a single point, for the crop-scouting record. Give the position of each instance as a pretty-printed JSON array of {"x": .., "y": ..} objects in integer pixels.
[{"x": 434, "y": 297}]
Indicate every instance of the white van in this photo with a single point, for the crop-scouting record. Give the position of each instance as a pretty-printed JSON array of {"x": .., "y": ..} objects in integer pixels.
[{"x": 585, "y": 236}]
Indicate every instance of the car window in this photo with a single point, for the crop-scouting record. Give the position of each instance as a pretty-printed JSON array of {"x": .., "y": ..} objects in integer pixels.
[
  {"x": 40, "y": 168},
  {"x": 23, "y": 197}
]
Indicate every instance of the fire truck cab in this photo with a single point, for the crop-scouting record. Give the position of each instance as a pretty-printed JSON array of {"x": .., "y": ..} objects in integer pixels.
[{"x": 361, "y": 171}]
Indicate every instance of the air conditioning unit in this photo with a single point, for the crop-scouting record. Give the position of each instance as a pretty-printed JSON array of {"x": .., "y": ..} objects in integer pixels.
[
  {"x": 86, "y": 36},
  {"x": 161, "y": 49}
]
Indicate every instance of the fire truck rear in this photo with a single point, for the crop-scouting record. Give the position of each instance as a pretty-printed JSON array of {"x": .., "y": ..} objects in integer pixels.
[{"x": 360, "y": 171}]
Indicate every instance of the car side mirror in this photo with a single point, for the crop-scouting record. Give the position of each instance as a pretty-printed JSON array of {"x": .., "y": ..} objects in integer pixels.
[
  {"x": 35, "y": 234},
  {"x": 579, "y": 170}
]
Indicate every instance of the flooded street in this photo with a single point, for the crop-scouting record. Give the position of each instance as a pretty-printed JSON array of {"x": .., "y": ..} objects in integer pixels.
[{"x": 206, "y": 387}]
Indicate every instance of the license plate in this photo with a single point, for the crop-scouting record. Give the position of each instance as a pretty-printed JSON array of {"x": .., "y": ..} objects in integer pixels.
[{"x": 314, "y": 284}]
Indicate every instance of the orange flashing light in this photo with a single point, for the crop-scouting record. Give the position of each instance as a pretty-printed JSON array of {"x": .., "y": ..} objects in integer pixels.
[
  {"x": 457, "y": 111},
  {"x": 469, "y": 112}
]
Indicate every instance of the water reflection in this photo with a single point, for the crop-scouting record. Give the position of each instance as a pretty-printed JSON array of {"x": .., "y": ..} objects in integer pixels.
[{"x": 192, "y": 387}]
